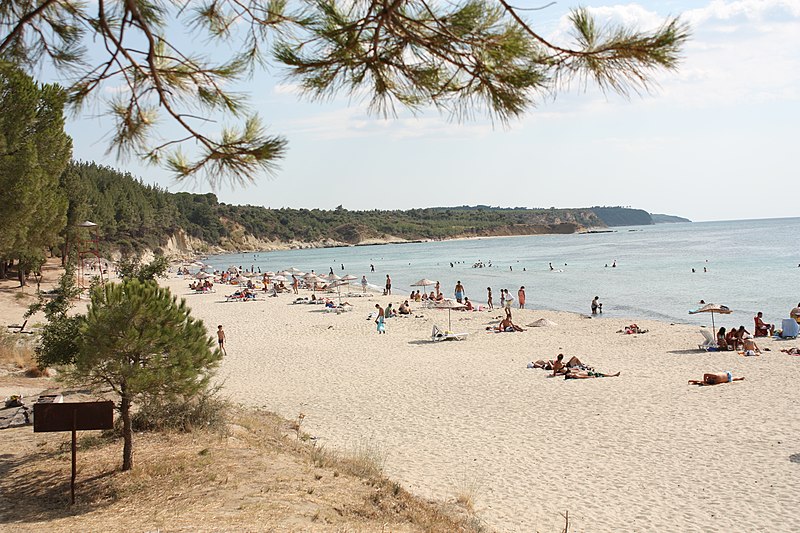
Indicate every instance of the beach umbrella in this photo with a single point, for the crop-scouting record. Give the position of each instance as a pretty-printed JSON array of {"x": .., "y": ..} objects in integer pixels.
[
  {"x": 203, "y": 275},
  {"x": 348, "y": 277},
  {"x": 338, "y": 284},
  {"x": 449, "y": 304},
  {"x": 285, "y": 273},
  {"x": 312, "y": 279},
  {"x": 295, "y": 271},
  {"x": 279, "y": 278},
  {"x": 269, "y": 273},
  {"x": 424, "y": 282},
  {"x": 542, "y": 323},
  {"x": 233, "y": 269},
  {"x": 333, "y": 277},
  {"x": 240, "y": 279},
  {"x": 712, "y": 308}
]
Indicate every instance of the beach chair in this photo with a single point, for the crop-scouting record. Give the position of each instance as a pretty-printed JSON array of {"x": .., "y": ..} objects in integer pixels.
[
  {"x": 21, "y": 328},
  {"x": 439, "y": 335},
  {"x": 710, "y": 343},
  {"x": 789, "y": 328}
]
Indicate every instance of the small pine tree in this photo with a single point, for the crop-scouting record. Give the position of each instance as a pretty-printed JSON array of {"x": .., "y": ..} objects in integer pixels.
[{"x": 138, "y": 340}]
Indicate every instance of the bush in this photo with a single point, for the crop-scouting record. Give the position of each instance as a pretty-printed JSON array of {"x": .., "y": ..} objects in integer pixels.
[{"x": 205, "y": 410}]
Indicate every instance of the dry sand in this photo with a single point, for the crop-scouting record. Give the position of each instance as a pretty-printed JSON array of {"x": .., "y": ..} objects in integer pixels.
[{"x": 640, "y": 452}]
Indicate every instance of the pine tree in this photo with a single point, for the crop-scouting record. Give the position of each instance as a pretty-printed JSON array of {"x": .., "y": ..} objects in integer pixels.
[
  {"x": 138, "y": 340},
  {"x": 34, "y": 151},
  {"x": 463, "y": 58}
]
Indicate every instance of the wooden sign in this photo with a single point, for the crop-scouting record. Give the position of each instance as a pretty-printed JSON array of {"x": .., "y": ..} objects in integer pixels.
[
  {"x": 74, "y": 417},
  {"x": 79, "y": 416}
]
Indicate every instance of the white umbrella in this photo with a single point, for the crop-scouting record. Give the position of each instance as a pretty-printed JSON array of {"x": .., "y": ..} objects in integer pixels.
[
  {"x": 269, "y": 274},
  {"x": 294, "y": 270},
  {"x": 233, "y": 269},
  {"x": 713, "y": 308},
  {"x": 449, "y": 304},
  {"x": 333, "y": 277},
  {"x": 280, "y": 277},
  {"x": 203, "y": 275},
  {"x": 240, "y": 279},
  {"x": 284, "y": 273},
  {"x": 348, "y": 277}
]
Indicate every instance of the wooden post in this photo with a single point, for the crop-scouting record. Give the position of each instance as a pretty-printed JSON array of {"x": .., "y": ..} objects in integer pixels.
[{"x": 74, "y": 456}]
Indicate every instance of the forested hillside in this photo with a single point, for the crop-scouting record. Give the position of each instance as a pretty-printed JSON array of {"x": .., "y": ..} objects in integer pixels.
[{"x": 133, "y": 216}]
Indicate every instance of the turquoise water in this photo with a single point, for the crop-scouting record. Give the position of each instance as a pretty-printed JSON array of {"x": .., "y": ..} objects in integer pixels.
[{"x": 752, "y": 266}]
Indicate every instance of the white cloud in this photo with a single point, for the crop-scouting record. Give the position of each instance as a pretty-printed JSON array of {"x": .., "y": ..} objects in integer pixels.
[{"x": 740, "y": 52}]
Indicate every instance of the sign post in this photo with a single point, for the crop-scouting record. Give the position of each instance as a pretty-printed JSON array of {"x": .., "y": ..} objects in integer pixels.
[{"x": 74, "y": 417}]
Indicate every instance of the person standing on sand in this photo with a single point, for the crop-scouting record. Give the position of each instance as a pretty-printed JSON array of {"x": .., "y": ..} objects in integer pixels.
[
  {"x": 388, "y": 285},
  {"x": 509, "y": 303},
  {"x": 295, "y": 283},
  {"x": 379, "y": 320},
  {"x": 502, "y": 298},
  {"x": 521, "y": 297},
  {"x": 437, "y": 290},
  {"x": 459, "y": 292},
  {"x": 489, "y": 298},
  {"x": 221, "y": 339},
  {"x": 364, "y": 283}
]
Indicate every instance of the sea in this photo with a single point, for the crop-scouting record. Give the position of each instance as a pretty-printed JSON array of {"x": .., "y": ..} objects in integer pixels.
[{"x": 662, "y": 271}]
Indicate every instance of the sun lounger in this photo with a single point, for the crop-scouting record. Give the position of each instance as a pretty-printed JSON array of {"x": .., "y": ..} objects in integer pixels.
[
  {"x": 439, "y": 335},
  {"x": 710, "y": 343},
  {"x": 339, "y": 309},
  {"x": 19, "y": 328}
]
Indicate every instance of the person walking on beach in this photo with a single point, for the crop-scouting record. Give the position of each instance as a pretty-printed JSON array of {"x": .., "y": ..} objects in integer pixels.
[
  {"x": 489, "y": 298},
  {"x": 295, "y": 283},
  {"x": 364, "y": 283},
  {"x": 502, "y": 298},
  {"x": 379, "y": 320},
  {"x": 521, "y": 297},
  {"x": 388, "y": 285},
  {"x": 221, "y": 340},
  {"x": 459, "y": 292},
  {"x": 595, "y": 304}
]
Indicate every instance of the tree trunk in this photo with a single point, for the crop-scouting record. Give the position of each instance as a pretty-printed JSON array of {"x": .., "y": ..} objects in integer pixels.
[
  {"x": 21, "y": 275},
  {"x": 2, "y": 268},
  {"x": 127, "y": 431}
]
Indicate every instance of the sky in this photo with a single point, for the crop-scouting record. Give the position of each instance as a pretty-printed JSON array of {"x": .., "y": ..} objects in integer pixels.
[{"x": 714, "y": 140}]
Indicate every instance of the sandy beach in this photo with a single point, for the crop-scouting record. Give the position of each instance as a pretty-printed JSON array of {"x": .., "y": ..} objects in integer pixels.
[{"x": 639, "y": 452}]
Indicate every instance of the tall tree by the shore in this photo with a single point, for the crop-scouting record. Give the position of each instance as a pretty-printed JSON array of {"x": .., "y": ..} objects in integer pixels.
[
  {"x": 34, "y": 151},
  {"x": 138, "y": 340},
  {"x": 461, "y": 58}
]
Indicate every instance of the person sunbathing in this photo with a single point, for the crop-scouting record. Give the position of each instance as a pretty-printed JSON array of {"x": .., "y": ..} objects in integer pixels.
[
  {"x": 715, "y": 379},
  {"x": 732, "y": 339},
  {"x": 722, "y": 339},
  {"x": 587, "y": 374},
  {"x": 750, "y": 347},
  {"x": 507, "y": 325},
  {"x": 792, "y": 351},
  {"x": 404, "y": 309},
  {"x": 559, "y": 367},
  {"x": 762, "y": 328}
]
